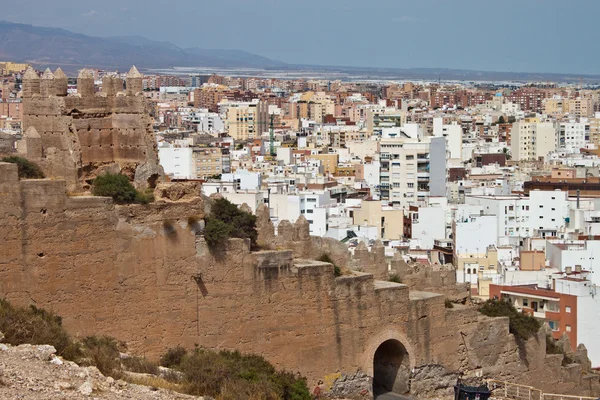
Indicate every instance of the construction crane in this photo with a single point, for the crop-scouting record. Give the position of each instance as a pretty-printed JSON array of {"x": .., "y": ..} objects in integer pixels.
[{"x": 272, "y": 137}]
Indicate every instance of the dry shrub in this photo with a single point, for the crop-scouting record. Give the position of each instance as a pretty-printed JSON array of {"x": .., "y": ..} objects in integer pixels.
[
  {"x": 235, "y": 376},
  {"x": 140, "y": 365},
  {"x": 33, "y": 325}
]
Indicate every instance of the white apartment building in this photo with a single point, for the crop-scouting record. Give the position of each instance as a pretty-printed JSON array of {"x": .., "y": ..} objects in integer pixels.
[
  {"x": 428, "y": 224},
  {"x": 531, "y": 139},
  {"x": 314, "y": 205},
  {"x": 453, "y": 133},
  {"x": 177, "y": 162},
  {"x": 245, "y": 179},
  {"x": 588, "y": 312},
  {"x": 404, "y": 174},
  {"x": 571, "y": 253},
  {"x": 473, "y": 233},
  {"x": 573, "y": 135},
  {"x": 541, "y": 214}
]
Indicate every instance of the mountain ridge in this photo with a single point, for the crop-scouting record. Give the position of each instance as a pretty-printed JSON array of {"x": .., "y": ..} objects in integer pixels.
[
  {"x": 56, "y": 46},
  {"x": 51, "y": 47}
]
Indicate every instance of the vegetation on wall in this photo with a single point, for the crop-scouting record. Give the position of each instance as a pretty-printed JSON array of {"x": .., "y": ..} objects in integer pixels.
[
  {"x": 226, "y": 220},
  {"x": 337, "y": 271},
  {"x": 120, "y": 189},
  {"x": 521, "y": 325},
  {"x": 27, "y": 169}
]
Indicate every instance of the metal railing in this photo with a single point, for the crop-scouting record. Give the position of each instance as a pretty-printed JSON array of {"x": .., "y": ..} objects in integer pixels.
[{"x": 514, "y": 391}]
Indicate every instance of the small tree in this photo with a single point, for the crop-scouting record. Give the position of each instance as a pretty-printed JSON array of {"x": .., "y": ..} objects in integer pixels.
[
  {"x": 116, "y": 186},
  {"x": 501, "y": 120},
  {"x": 26, "y": 168},
  {"x": 521, "y": 325},
  {"x": 227, "y": 220},
  {"x": 216, "y": 232}
]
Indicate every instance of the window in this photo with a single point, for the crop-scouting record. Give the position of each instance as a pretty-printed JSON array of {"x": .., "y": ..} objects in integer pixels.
[
  {"x": 568, "y": 309},
  {"x": 309, "y": 211},
  {"x": 525, "y": 302},
  {"x": 568, "y": 328},
  {"x": 554, "y": 325}
]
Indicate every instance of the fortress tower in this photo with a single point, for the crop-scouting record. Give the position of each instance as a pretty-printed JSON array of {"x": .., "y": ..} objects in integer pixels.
[
  {"x": 47, "y": 87},
  {"x": 111, "y": 85},
  {"x": 61, "y": 82},
  {"x": 85, "y": 83},
  {"x": 134, "y": 81},
  {"x": 31, "y": 83},
  {"x": 75, "y": 137}
]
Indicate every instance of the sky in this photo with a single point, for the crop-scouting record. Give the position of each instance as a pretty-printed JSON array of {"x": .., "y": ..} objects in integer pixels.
[{"x": 501, "y": 35}]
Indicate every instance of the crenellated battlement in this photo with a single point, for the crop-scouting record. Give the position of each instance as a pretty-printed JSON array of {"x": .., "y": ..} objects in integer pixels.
[{"x": 51, "y": 84}]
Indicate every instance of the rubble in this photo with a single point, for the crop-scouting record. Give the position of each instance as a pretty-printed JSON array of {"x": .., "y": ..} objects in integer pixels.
[{"x": 36, "y": 372}]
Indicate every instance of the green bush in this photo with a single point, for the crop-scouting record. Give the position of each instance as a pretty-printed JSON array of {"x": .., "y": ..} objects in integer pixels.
[
  {"x": 226, "y": 220},
  {"x": 26, "y": 168},
  {"x": 448, "y": 304},
  {"x": 232, "y": 375},
  {"x": 34, "y": 325},
  {"x": 120, "y": 189},
  {"x": 145, "y": 197},
  {"x": 173, "y": 357},
  {"x": 521, "y": 325},
  {"x": 116, "y": 186},
  {"x": 216, "y": 232},
  {"x": 395, "y": 278}
]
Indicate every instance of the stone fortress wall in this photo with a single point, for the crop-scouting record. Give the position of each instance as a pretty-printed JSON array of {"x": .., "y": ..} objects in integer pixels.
[
  {"x": 74, "y": 137},
  {"x": 145, "y": 275}
]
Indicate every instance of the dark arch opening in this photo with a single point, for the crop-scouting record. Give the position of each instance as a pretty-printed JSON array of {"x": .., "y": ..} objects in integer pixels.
[{"x": 391, "y": 368}]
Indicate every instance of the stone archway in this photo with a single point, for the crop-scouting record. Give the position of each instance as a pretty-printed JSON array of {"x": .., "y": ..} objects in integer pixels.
[{"x": 391, "y": 368}]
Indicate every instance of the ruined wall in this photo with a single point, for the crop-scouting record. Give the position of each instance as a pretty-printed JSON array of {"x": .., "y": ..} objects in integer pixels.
[
  {"x": 144, "y": 275},
  {"x": 430, "y": 278},
  {"x": 81, "y": 133}
]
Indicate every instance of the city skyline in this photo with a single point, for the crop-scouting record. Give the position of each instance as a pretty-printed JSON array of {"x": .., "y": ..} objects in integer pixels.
[{"x": 526, "y": 36}]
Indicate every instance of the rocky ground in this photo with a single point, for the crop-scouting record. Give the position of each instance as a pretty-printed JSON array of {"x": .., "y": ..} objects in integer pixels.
[{"x": 35, "y": 372}]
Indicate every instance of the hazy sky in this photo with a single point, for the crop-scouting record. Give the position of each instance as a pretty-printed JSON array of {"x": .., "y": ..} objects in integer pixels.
[{"x": 493, "y": 35}]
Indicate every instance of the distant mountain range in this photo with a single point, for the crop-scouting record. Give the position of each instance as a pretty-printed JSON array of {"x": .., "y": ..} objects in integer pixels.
[
  {"x": 52, "y": 46},
  {"x": 58, "y": 47}
]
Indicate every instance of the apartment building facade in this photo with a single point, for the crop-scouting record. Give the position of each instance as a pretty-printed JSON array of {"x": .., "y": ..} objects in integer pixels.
[
  {"x": 245, "y": 119},
  {"x": 532, "y": 139}
]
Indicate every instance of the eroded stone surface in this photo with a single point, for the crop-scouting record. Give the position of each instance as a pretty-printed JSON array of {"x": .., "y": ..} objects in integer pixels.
[{"x": 28, "y": 372}]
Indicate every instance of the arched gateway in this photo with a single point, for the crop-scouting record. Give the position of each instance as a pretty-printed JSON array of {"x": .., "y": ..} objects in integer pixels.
[
  {"x": 389, "y": 359},
  {"x": 391, "y": 368}
]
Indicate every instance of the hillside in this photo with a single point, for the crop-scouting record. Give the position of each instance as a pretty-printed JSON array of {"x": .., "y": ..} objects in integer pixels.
[{"x": 52, "y": 46}]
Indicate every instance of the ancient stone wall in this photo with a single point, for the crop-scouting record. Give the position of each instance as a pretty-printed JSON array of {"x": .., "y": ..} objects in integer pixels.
[
  {"x": 84, "y": 133},
  {"x": 144, "y": 275},
  {"x": 430, "y": 278}
]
